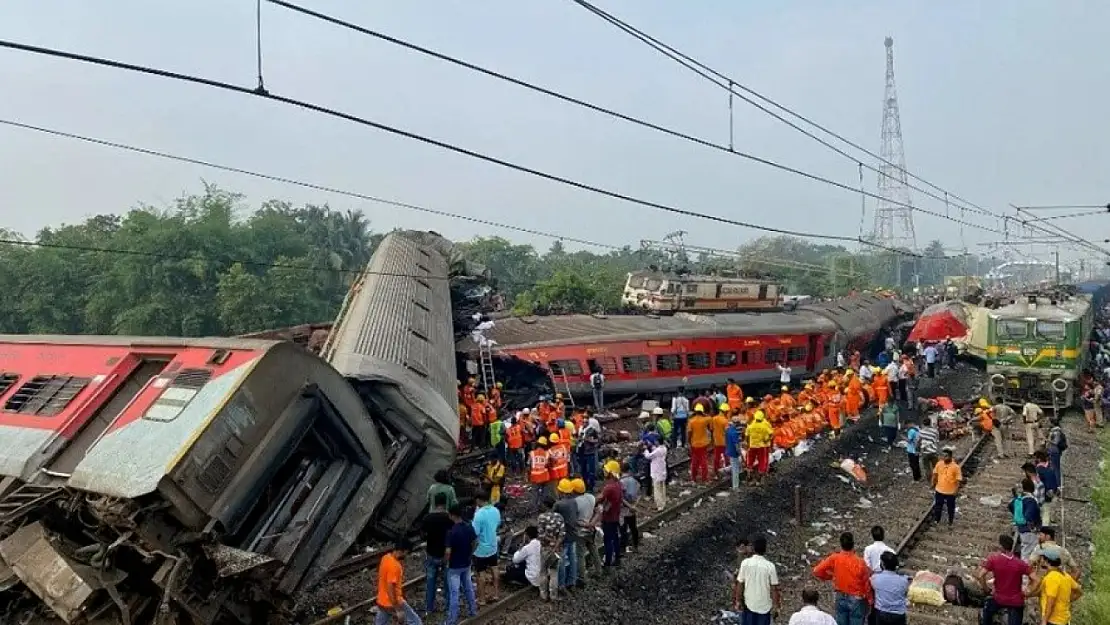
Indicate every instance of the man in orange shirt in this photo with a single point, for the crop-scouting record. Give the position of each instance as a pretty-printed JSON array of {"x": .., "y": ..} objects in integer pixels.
[
  {"x": 718, "y": 424},
  {"x": 697, "y": 433},
  {"x": 734, "y": 394},
  {"x": 851, "y": 580},
  {"x": 392, "y": 606},
  {"x": 946, "y": 484}
]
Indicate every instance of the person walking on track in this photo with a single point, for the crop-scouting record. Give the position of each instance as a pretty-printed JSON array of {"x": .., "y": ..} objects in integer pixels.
[{"x": 946, "y": 484}]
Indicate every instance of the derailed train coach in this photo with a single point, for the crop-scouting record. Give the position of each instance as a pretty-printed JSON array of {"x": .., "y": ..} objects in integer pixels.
[
  {"x": 394, "y": 341},
  {"x": 205, "y": 480}
]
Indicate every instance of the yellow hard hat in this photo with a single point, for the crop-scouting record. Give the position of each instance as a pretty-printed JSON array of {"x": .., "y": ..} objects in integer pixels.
[
  {"x": 723, "y": 408},
  {"x": 984, "y": 403},
  {"x": 553, "y": 438},
  {"x": 565, "y": 486},
  {"x": 558, "y": 395},
  {"x": 785, "y": 389},
  {"x": 500, "y": 385},
  {"x": 480, "y": 397},
  {"x": 612, "y": 467},
  {"x": 809, "y": 384},
  {"x": 699, "y": 408},
  {"x": 579, "y": 485},
  {"x": 749, "y": 400},
  {"x": 759, "y": 416},
  {"x": 543, "y": 440},
  {"x": 848, "y": 373},
  {"x": 809, "y": 407}
]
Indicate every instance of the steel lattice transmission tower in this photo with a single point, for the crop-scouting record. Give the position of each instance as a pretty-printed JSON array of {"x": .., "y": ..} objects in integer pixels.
[{"x": 894, "y": 213}]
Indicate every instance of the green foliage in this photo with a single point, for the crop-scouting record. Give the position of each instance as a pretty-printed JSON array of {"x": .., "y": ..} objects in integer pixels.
[
  {"x": 1094, "y": 607},
  {"x": 205, "y": 266}
]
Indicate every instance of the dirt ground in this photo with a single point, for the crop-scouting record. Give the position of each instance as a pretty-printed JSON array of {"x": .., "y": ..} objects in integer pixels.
[{"x": 684, "y": 572}]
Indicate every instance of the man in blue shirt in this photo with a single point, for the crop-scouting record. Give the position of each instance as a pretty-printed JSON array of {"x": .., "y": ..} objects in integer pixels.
[
  {"x": 733, "y": 436},
  {"x": 487, "y": 520},
  {"x": 912, "y": 454},
  {"x": 460, "y": 549},
  {"x": 891, "y": 589}
]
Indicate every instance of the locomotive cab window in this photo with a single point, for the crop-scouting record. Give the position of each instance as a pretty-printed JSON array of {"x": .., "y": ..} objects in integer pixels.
[
  {"x": 668, "y": 362},
  {"x": 608, "y": 366},
  {"x": 796, "y": 354},
  {"x": 774, "y": 355},
  {"x": 700, "y": 361},
  {"x": 1012, "y": 329},
  {"x": 724, "y": 359},
  {"x": 636, "y": 364},
  {"x": 1052, "y": 330},
  {"x": 565, "y": 367}
]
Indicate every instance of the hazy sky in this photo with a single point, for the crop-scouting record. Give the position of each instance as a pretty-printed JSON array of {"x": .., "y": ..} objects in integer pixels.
[{"x": 1000, "y": 102}]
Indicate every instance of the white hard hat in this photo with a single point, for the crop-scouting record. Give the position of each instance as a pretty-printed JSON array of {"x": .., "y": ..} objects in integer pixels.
[
  {"x": 526, "y": 411},
  {"x": 657, "y": 410},
  {"x": 644, "y": 415}
]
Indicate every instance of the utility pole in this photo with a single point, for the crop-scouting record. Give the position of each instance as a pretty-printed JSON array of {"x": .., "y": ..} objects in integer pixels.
[{"x": 1056, "y": 257}]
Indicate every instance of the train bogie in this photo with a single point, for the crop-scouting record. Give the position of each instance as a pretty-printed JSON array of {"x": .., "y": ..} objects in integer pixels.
[{"x": 205, "y": 476}]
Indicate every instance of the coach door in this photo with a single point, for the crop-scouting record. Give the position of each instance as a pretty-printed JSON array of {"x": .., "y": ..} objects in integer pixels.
[{"x": 811, "y": 353}]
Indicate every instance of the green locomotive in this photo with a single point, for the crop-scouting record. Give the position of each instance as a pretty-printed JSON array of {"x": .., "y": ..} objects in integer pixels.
[{"x": 1037, "y": 346}]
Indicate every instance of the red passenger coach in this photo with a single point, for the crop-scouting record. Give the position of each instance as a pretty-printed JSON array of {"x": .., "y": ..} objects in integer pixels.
[{"x": 647, "y": 354}]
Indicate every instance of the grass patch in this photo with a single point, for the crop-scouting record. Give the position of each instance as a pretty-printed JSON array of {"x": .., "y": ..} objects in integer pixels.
[{"x": 1094, "y": 607}]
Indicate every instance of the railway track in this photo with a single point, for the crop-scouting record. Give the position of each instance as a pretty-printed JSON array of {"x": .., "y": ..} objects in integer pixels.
[
  {"x": 960, "y": 548},
  {"x": 370, "y": 559}
]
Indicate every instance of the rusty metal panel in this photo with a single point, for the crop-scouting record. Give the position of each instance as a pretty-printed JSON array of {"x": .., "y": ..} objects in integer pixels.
[{"x": 59, "y": 583}]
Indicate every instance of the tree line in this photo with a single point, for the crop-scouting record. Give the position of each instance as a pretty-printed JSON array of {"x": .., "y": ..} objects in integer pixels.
[{"x": 209, "y": 264}]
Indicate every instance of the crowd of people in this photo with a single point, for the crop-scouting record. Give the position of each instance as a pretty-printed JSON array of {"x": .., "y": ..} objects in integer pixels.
[{"x": 587, "y": 494}]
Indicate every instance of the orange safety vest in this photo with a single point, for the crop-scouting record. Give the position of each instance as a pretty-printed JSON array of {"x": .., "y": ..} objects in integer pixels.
[
  {"x": 528, "y": 430},
  {"x": 491, "y": 414},
  {"x": 515, "y": 437},
  {"x": 560, "y": 462},
  {"x": 538, "y": 462},
  {"x": 560, "y": 409},
  {"x": 478, "y": 413},
  {"x": 495, "y": 398},
  {"x": 566, "y": 436},
  {"x": 468, "y": 395},
  {"x": 735, "y": 395}
]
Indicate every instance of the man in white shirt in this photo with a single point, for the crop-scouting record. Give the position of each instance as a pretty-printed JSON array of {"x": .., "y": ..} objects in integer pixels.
[
  {"x": 865, "y": 373},
  {"x": 873, "y": 552},
  {"x": 810, "y": 614},
  {"x": 930, "y": 353},
  {"x": 841, "y": 361},
  {"x": 1031, "y": 415},
  {"x": 756, "y": 591},
  {"x": 529, "y": 557},
  {"x": 657, "y": 456},
  {"x": 597, "y": 384},
  {"x": 784, "y": 374}
]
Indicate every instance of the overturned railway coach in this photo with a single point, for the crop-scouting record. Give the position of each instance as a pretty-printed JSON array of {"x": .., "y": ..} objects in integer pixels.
[
  {"x": 655, "y": 354},
  {"x": 213, "y": 478},
  {"x": 394, "y": 341}
]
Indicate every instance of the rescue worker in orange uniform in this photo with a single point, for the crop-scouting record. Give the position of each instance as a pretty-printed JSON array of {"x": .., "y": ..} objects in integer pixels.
[
  {"x": 735, "y": 394},
  {"x": 718, "y": 424},
  {"x": 514, "y": 440},
  {"x": 749, "y": 409},
  {"x": 787, "y": 404},
  {"x": 464, "y": 423},
  {"x": 495, "y": 397},
  {"x": 539, "y": 473},
  {"x": 806, "y": 395},
  {"x": 697, "y": 433},
  {"x": 469, "y": 391},
  {"x": 881, "y": 385},
  {"x": 853, "y": 397},
  {"x": 559, "y": 466},
  {"x": 481, "y": 415},
  {"x": 834, "y": 404},
  {"x": 559, "y": 406}
]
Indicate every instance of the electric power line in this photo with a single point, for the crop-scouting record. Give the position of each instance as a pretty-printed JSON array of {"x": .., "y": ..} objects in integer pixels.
[
  {"x": 268, "y": 95},
  {"x": 723, "y": 81},
  {"x": 729, "y": 149},
  {"x": 773, "y": 262}
]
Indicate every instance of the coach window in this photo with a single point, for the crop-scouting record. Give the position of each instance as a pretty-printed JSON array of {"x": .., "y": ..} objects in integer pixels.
[
  {"x": 796, "y": 354},
  {"x": 701, "y": 360},
  {"x": 724, "y": 359},
  {"x": 45, "y": 395},
  {"x": 565, "y": 367},
  {"x": 692, "y": 288},
  {"x": 668, "y": 362},
  {"x": 608, "y": 366},
  {"x": 827, "y": 349},
  {"x": 636, "y": 364},
  {"x": 774, "y": 355}
]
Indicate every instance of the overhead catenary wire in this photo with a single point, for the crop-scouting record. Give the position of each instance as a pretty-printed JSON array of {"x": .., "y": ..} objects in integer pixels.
[
  {"x": 773, "y": 262},
  {"x": 269, "y": 95},
  {"x": 725, "y": 83}
]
